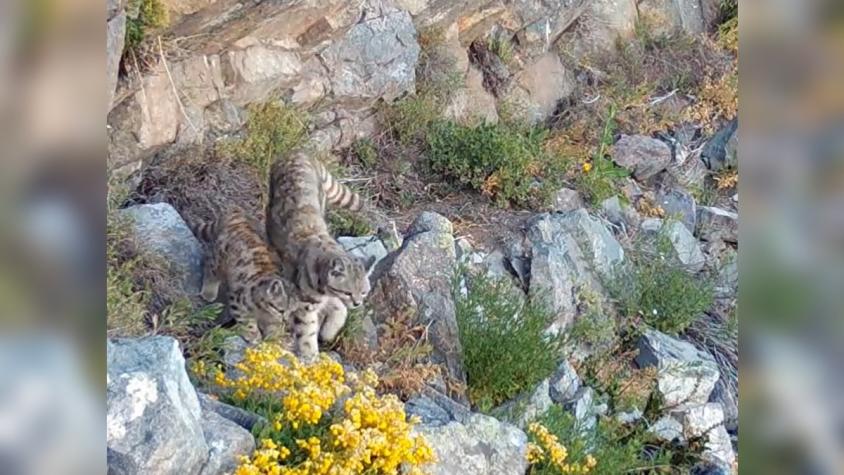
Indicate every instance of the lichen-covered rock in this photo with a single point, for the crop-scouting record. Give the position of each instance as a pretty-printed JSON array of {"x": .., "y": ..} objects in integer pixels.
[
  {"x": 227, "y": 442},
  {"x": 527, "y": 407},
  {"x": 667, "y": 428},
  {"x": 159, "y": 230},
  {"x": 417, "y": 279},
  {"x": 685, "y": 375},
  {"x": 564, "y": 383},
  {"x": 376, "y": 58},
  {"x": 568, "y": 251},
  {"x": 718, "y": 449},
  {"x": 698, "y": 420},
  {"x": 478, "y": 445},
  {"x": 680, "y": 204},
  {"x": 154, "y": 421},
  {"x": 642, "y": 155},
  {"x": 685, "y": 247},
  {"x": 716, "y": 223}
]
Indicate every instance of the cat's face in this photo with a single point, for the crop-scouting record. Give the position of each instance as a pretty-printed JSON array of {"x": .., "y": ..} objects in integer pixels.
[
  {"x": 347, "y": 278},
  {"x": 271, "y": 296}
]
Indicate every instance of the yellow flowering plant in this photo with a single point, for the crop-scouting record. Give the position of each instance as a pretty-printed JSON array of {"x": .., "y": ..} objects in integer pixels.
[
  {"x": 321, "y": 420},
  {"x": 547, "y": 455}
]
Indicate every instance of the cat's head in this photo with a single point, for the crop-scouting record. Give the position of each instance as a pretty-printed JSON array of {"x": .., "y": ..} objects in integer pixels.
[
  {"x": 269, "y": 295},
  {"x": 346, "y": 277}
]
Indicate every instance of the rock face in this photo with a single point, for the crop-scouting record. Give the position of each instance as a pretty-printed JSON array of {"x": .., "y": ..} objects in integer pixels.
[
  {"x": 642, "y": 155},
  {"x": 478, "y": 445},
  {"x": 527, "y": 407},
  {"x": 564, "y": 383},
  {"x": 685, "y": 374},
  {"x": 721, "y": 151},
  {"x": 678, "y": 203},
  {"x": 155, "y": 423},
  {"x": 685, "y": 247},
  {"x": 568, "y": 251},
  {"x": 417, "y": 278},
  {"x": 376, "y": 57},
  {"x": 717, "y": 224},
  {"x": 115, "y": 36},
  {"x": 539, "y": 87},
  {"x": 364, "y": 247},
  {"x": 567, "y": 199},
  {"x": 159, "y": 230}
]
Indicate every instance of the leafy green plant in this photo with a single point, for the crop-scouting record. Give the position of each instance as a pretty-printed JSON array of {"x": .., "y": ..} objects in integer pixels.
[
  {"x": 615, "y": 448},
  {"x": 600, "y": 178},
  {"x": 272, "y": 128},
  {"x": 342, "y": 222},
  {"x": 365, "y": 151},
  {"x": 502, "y": 162},
  {"x": 656, "y": 288},
  {"x": 502, "y": 47},
  {"x": 505, "y": 347},
  {"x": 152, "y": 14}
]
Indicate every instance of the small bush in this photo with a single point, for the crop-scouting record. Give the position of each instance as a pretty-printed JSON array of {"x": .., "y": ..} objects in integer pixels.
[
  {"x": 365, "y": 152},
  {"x": 610, "y": 449},
  {"x": 308, "y": 429},
  {"x": 342, "y": 222},
  {"x": 504, "y": 163},
  {"x": 152, "y": 14},
  {"x": 272, "y": 128},
  {"x": 656, "y": 288},
  {"x": 505, "y": 347}
]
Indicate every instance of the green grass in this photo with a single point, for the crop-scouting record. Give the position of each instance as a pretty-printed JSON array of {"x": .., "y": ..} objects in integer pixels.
[
  {"x": 365, "y": 152},
  {"x": 272, "y": 128},
  {"x": 505, "y": 163},
  {"x": 342, "y": 222},
  {"x": 152, "y": 15},
  {"x": 657, "y": 289},
  {"x": 617, "y": 449},
  {"x": 505, "y": 348}
]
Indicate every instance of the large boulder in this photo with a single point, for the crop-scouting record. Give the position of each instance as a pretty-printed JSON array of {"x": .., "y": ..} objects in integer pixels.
[
  {"x": 685, "y": 375},
  {"x": 417, "y": 279},
  {"x": 377, "y": 56},
  {"x": 568, "y": 251},
  {"x": 642, "y": 155},
  {"x": 160, "y": 232},
  {"x": 478, "y": 445},
  {"x": 538, "y": 88}
]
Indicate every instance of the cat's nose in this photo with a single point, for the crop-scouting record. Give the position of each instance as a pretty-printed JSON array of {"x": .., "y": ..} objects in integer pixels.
[{"x": 356, "y": 303}]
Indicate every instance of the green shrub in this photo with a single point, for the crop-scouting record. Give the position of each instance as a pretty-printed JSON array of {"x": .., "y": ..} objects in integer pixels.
[
  {"x": 502, "y": 162},
  {"x": 342, "y": 222},
  {"x": 272, "y": 128},
  {"x": 656, "y": 288},
  {"x": 600, "y": 178},
  {"x": 366, "y": 152},
  {"x": 152, "y": 14},
  {"x": 615, "y": 448},
  {"x": 505, "y": 348}
]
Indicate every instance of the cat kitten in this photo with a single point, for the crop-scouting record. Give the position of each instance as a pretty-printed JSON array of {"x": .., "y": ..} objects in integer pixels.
[
  {"x": 259, "y": 298},
  {"x": 325, "y": 275}
]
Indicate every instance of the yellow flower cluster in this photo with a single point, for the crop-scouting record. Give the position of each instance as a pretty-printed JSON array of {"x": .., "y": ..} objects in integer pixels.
[
  {"x": 313, "y": 432},
  {"x": 549, "y": 450}
]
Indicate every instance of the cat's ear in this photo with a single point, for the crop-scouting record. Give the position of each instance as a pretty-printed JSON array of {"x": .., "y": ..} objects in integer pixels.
[
  {"x": 337, "y": 266},
  {"x": 276, "y": 289}
]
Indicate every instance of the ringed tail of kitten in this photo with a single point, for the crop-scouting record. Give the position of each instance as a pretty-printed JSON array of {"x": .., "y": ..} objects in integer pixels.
[{"x": 336, "y": 193}]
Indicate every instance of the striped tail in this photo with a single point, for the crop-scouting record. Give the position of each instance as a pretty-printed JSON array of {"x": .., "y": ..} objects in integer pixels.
[{"x": 338, "y": 194}]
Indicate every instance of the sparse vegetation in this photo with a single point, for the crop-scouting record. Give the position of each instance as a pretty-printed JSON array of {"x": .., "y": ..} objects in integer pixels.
[
  {"x": 595, "y": 326},
  {"x": 152, "y": 15},
  {"x": 365, "y": 152},
  {"x": 614, "y": 448},
  {"x": 342, "y": 222},
  {"x": 600, "y": 177},
  {"x": 654, "y": 287},
  {"x": 505, "y": 346},
  {"x": 272, "y": 128}
]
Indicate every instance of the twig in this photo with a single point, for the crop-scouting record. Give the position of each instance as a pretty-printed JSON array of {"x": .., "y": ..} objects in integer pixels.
[
  {"x": 173, "y": 85},
  {"x": 662, "y": 98},
  {"x": 593, "y": 100}
]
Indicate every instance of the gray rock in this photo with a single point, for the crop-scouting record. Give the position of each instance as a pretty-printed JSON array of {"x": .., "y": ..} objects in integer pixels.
[
  {"x": 543, "y": 21},
  {"x": 708, "y": 468},
  {"x": 715, "y": 153},
  {"x": 567, "y": 199},
  {"x": 685, "y": 375},
  {"x": 642, "y": 155},
  {"x": 564, "y": 383},
  {"x": 227, "y": 442},
  {"x": 154, "y": 422},
  {"x": 364, "y": 247},
  {"x": 436, "y": 409},
  {"x": 115, "y": 37},
  {"x": 479, "y": 445},
  {"x": 718, "y": 449},
  {"x": 699, "y": 420},
  {"x": 667, "y": 428},
  {"x": 620, "y": 214},
  {"x": 629, "y": 417},
  {"x": 376, "y": 57},
  {"x": 716, "y": 223},
  {"x": 527, "y": 407},
  {"x": 676, "y": 15},
  {"x": 417, "y": 278},
  {"x": 585, "y": 408},
  {"x": 538, "y": 88},
  {"x": 728, "y": 399},
  {"x": 568, "y": 251},
  {"x": 158, "y": 230},
  {"x": 678, "y": 204},
  {"x": 686, "y": 249},
  {"x": 239, "y": 416}
]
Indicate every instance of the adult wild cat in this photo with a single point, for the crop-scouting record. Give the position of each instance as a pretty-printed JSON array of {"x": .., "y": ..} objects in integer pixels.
[{"x": 327, "y": 277}]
